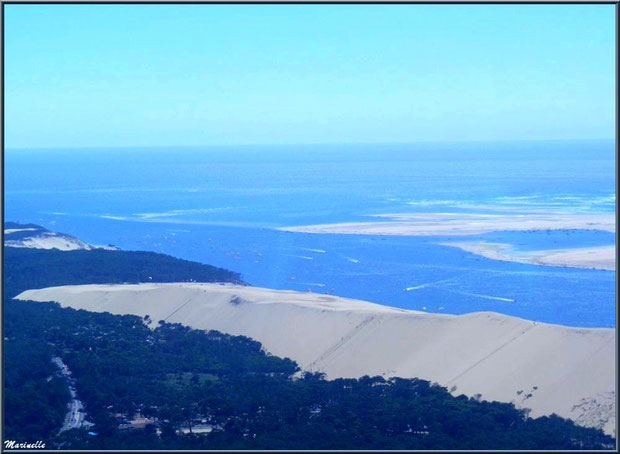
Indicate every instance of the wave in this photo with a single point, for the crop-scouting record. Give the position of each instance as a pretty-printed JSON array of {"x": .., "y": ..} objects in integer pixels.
[
  {"x": 116, "y": 218},
  {"x": 187, "y": 221},
  {"x": 488, "y": 297},
  {"x": 190, "y": 211},
  {"x": 439, "y": 202},
  {"x": 300, "y": 256},
  {"x": 523, "y": 197},
  {"x": 313, "y": 250},
  {"x": 572, "y": 201}
]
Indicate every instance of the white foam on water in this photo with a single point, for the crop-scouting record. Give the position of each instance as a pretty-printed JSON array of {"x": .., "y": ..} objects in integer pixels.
[
  {"x": 321, "y": 251},
  {"x": 300, "y": 256}
]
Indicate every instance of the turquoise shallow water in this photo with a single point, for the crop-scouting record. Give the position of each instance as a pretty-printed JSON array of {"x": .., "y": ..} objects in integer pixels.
[{"x": 221, "y": 206}]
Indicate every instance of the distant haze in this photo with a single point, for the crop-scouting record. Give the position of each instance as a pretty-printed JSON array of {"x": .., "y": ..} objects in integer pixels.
[{"x": 149, "y": 75}]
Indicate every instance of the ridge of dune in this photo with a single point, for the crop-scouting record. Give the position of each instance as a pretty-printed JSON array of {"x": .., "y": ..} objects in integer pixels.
[{"x": 546, "y": 368}]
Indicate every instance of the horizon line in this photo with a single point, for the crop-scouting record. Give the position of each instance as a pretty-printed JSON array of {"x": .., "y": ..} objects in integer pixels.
[{"x": 307, "y": 144}]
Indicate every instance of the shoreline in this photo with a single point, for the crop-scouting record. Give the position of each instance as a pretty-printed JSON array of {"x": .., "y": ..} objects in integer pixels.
[
  {"x": 485, "y": 353},
  {"x": 597, "y": 257}
]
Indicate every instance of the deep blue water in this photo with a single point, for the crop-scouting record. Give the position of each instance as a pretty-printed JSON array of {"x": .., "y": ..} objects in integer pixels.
[{"x": 220, "y": 206}]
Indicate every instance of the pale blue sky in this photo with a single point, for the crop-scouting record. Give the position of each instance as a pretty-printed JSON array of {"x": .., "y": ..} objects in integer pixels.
[{"x": 131, "y": 75}]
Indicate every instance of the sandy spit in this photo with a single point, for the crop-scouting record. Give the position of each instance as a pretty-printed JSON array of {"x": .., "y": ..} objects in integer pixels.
[
  {"x": 600, "y": 258},
  {"x": 443, "y": 224}
]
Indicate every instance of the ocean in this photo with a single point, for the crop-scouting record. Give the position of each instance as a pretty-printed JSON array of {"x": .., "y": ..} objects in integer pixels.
[{"x": 222, "y": 206}]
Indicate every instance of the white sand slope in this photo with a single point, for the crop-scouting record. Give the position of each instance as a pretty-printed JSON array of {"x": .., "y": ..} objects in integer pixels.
[
  {"x": 9, "y": 231},
  {"x": 44, "y": 239},
  {"x": 547, "y": 368},
  {"x": 600, "y": 257},
  {"x": 48, "y": 240}
]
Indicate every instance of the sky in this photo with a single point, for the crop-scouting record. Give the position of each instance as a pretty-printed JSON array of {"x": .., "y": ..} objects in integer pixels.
[{"x": 195, "y": 75}]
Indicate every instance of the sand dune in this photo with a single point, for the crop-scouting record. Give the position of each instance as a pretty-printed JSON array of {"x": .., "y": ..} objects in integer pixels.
[
  {"x": 44, "y": 239},
  {"x": 48, "y": 241},
  {"x": 547, "y": 368},
  {"x": 442, "y": 224},
  {"x": 601, "y": 257}
]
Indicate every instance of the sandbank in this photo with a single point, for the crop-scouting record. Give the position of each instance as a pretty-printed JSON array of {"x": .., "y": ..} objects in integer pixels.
[
  {"x": 459, "y": 224},
  {"x": 600, "y": 257}
]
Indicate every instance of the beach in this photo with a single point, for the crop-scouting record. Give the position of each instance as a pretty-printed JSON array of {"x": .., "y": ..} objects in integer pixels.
[{"x": 546, "y": 368}]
